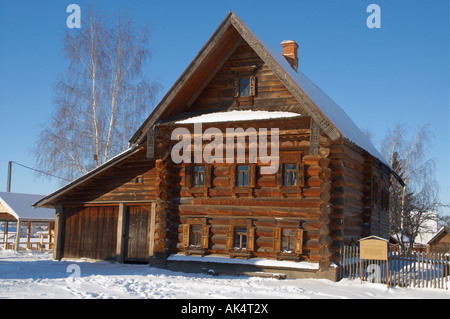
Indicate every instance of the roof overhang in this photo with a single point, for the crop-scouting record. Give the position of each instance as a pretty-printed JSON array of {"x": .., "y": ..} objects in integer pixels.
[{"x": 48, "y": 201}]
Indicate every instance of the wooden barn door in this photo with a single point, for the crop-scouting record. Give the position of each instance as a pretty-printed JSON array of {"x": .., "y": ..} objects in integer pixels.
[
  {"x": 137, "y": 234},
  {"x": 90, "y": 232}
]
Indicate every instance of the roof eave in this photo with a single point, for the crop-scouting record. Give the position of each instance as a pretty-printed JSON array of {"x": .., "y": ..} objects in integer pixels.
[{"x": 48, "y": 200}]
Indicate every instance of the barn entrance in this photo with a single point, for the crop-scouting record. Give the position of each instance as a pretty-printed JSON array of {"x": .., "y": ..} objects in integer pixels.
[
  {"x": 137, "y": 234},
  {"x": 90, "y": 232}
]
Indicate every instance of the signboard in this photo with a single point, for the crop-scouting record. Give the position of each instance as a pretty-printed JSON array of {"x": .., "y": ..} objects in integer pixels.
[{"x": 373, "y": 249}]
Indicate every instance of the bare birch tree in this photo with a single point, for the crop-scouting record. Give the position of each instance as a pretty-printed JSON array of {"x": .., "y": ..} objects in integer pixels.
[
  {"x": 101, "y": 99},
  {"x": 410, "y": 205}
]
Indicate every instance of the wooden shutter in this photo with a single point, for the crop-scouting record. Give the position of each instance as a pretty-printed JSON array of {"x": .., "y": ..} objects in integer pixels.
[
  {"x": 208, "y": 172},
  {"x": 252, "y": 175},
  {"x": 252, "y": 86},
  {"x": 277, "y": 239},
  {"x": 186, "y": 235},
  {"x": 205, "y": 236},
  {"x": 236, "y": 87},
  {"x": 230, "y": 235},
  {"x": 299, "y": 241},
  {"x": 233, "y": 175},
  {"x": 188, "y": 175},
  {"x": 251, "y": 238},
  {"x": 300, "y": 175},
  {"x": 279, "y": 175}
]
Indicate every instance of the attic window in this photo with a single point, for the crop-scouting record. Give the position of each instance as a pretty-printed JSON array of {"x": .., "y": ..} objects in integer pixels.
[{"x": 244, "y": 85}]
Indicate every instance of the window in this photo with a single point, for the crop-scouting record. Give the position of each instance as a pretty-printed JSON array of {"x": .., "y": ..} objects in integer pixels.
[
  {"x": 139, "y": 180},
  {"x": 240, "y": 238},
  {"x": 195, "y": 236},
  {"x": 242, "y": 175},
  {"x": 290, "y": 175},
  {"x": 244, "y": 87},
  {"x": 288, "y": 240},
  {"x": 199, "y": 175}
]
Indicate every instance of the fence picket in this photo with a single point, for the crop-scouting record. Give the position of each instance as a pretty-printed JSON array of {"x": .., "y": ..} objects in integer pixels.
[{"x": 406, "y": 269}]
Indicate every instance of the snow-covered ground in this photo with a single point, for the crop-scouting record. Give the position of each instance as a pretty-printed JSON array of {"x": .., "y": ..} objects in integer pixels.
[{"x": 35, "y": 275}]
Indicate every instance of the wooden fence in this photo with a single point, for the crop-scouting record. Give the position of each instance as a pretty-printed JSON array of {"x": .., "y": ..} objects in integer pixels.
[{"x": 413, "y": 269}]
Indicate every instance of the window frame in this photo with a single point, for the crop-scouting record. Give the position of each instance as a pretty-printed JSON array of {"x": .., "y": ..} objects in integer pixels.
[
  {"x": 196, "y": 175},
  {"x": 243, "y": 173},
  {"x": 278, "y": 238},
  {"x": 244, "y": 72},
  {"x": 240, "y": 239},
  {"x": 244, "y": 88},
  {"x": 202, "y": 230},
  {"x": 293, "y": 175}
]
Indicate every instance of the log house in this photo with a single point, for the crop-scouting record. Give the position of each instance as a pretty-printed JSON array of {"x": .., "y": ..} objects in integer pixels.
[{"x": 330, "y": 188}]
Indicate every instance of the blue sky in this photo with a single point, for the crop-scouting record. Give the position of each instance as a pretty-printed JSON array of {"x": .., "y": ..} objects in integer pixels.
[{"x": 399, "y": 72}]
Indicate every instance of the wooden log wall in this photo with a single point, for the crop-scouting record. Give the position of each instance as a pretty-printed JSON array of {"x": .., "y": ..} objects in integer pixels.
[{"x": 265, "y": 205}]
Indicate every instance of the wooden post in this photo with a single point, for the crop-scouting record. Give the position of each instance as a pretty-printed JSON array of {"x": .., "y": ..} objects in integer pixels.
[
  {"x": 59, "y": 232},
  {"x": 152, "y": 229},
  {"x": 28, "y": 234},
  {"x": 387, "y": 271},
  {"x": 5, "y": 236},
  {"x": 19, "y": 225},
  {"x": 120, "y": 251}
]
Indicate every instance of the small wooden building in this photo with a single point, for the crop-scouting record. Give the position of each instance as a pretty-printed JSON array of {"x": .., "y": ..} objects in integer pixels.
[
  {"x": 17, "y": 212},
  {"x": 329, "y": 188},
  {"x": 440, "y": 242}
]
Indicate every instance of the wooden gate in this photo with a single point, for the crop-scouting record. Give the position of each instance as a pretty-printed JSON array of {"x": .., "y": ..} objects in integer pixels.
[
  {"x": 90, "y": 232},
  {"x": 137, "y": 234}
]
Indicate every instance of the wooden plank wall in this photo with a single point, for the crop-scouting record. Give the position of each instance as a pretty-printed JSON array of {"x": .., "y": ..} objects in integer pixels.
[
  {"x": 90, "y": 232},
  {"x": 118, "y": 184},
  {"x": 219, "y": 92}
]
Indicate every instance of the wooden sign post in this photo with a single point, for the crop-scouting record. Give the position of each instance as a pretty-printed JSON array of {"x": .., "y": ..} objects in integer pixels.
[{"x": 374, "y": 248}]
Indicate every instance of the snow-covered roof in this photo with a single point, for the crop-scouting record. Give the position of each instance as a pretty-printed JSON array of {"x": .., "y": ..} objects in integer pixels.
[
  {"x": 336, "y": 115},
  {"x": 236, "y": 116},
  {"x": 20, "y": 206}
]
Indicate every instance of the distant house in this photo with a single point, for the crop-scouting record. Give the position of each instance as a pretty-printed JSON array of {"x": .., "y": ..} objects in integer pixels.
[
  {"x": 428, "y": 229},
  {"x": 329, "y": 188},
  {"x": 17, "y": 212},
  {"x": 440, "y": 242}
]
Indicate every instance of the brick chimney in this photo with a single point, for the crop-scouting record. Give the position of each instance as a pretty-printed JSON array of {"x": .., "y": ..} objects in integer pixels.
[{"x": 290, "y": 52}]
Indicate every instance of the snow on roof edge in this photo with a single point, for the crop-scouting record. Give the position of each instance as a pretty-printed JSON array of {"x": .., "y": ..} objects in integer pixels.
[{"x": 236, "y": 115}]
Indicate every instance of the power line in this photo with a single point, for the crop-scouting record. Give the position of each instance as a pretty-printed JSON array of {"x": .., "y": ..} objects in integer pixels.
[{"x": 45, "y": 173}]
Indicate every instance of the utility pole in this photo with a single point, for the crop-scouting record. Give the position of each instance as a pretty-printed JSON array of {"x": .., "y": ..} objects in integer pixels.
[{"x": 8, "y": 187}]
